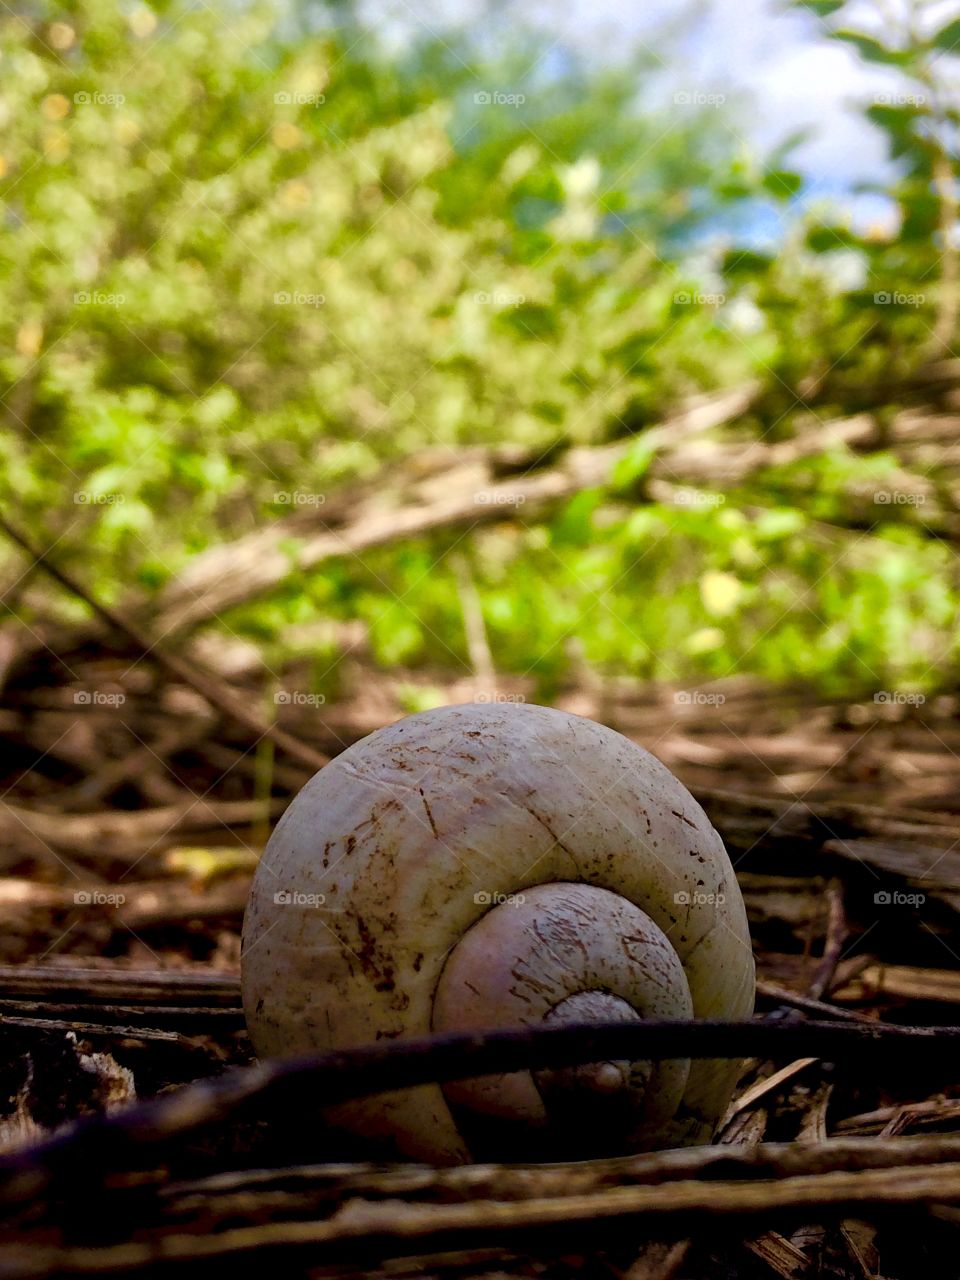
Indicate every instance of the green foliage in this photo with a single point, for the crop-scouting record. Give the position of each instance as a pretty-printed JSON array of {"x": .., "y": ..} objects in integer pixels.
[{"x": 245, "y": 264}]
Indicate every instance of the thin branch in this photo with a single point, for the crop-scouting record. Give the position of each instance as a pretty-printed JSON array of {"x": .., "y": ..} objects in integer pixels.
[
  {"x": 289, "y": 1085},
  {"x": 209, "y": 686}
]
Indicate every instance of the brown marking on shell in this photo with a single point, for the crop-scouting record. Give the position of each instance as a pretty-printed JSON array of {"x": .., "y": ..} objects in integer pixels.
[{"x": 402, "y": 897}]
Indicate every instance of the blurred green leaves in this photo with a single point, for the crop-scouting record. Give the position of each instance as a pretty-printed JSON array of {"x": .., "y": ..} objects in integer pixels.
[{"x": 240, "y": 261}]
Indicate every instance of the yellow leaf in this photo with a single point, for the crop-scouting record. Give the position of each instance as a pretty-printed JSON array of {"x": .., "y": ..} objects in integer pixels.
[
  {"x": 205, "y": 865},
  {"x": 29, "y": 338},
  {"x": 720, "y": 592},
  {"x": 704, "y": 640},
  {"x": 55, "y": 106},
  {"x": 142, "y": 22},
  {"x": 295, "y": 194},
  {"x": 56, "y": 144},
  {"x": 61, "y": 35},
  {"x": 285, "y": 135},
  {"x": 126, "y": 130}
]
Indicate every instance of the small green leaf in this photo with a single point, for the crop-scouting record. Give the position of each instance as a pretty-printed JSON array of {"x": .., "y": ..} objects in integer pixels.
[
  {"x": 948, "y": 37},
  {"x": 770, "y": 525},
  {"x": 822, "y": 8},
  {"x": 734, "y": 189},
  {"x": 633, "y": 464},
  {"x": 782, "y": 183},
  {"x": 741, "y": 263},
  {"x": 827, "y": 239},
  {"x": 782, "y": 150},
  {"x": 872, "y": 50},
  {"x": 898, "y": 123},
  {"x": 921, "y": 215}
]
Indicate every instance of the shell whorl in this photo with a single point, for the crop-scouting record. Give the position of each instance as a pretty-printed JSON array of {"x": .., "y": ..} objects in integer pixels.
[
  {"x": 566, "y": 952},
  {"x": 402, "y": 847}
]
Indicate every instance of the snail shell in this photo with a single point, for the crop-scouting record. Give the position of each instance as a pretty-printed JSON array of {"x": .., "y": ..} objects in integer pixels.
[{"x": 499, "y": 865}]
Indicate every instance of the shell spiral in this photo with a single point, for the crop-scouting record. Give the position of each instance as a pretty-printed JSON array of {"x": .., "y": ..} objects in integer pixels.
[{"x": 495, "y": 865}]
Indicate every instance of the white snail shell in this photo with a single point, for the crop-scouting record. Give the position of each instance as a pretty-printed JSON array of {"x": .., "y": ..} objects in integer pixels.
[{"x": 499, "y": 865}]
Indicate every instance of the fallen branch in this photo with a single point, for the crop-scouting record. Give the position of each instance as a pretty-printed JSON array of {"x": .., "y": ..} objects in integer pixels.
[
  {"x": 378, "y": 1225},
  {"x": 908, "y": 843},
  {"x": 518, "y": 1182},
  {"x": 225, "y": 576},
  {"x": 214, "y": 690},
  {"x": 469, "y": 490},
  {"x": 128, "y": 986},
  {"x": 142, "y": 1132},
  {"x": 121, "y": 834}
]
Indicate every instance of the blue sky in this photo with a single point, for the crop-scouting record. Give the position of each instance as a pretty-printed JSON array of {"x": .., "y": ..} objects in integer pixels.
[{"x": 776, "y": 69}]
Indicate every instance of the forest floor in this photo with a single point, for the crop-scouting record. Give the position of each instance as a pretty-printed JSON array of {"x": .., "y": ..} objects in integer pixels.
[{"x": 132, "y": 815}]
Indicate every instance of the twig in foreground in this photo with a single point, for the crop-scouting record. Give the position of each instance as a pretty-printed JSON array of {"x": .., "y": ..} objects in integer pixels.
[{"x": 129, "y": 1137}]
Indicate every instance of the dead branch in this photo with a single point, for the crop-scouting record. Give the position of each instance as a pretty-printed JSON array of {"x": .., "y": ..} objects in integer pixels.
[
  {"x": 122, "y": 835},
  {"x": 140, "y": 1133},
  {"x": 225, "y": 576},
  {"x": 209, "y": 686}
]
